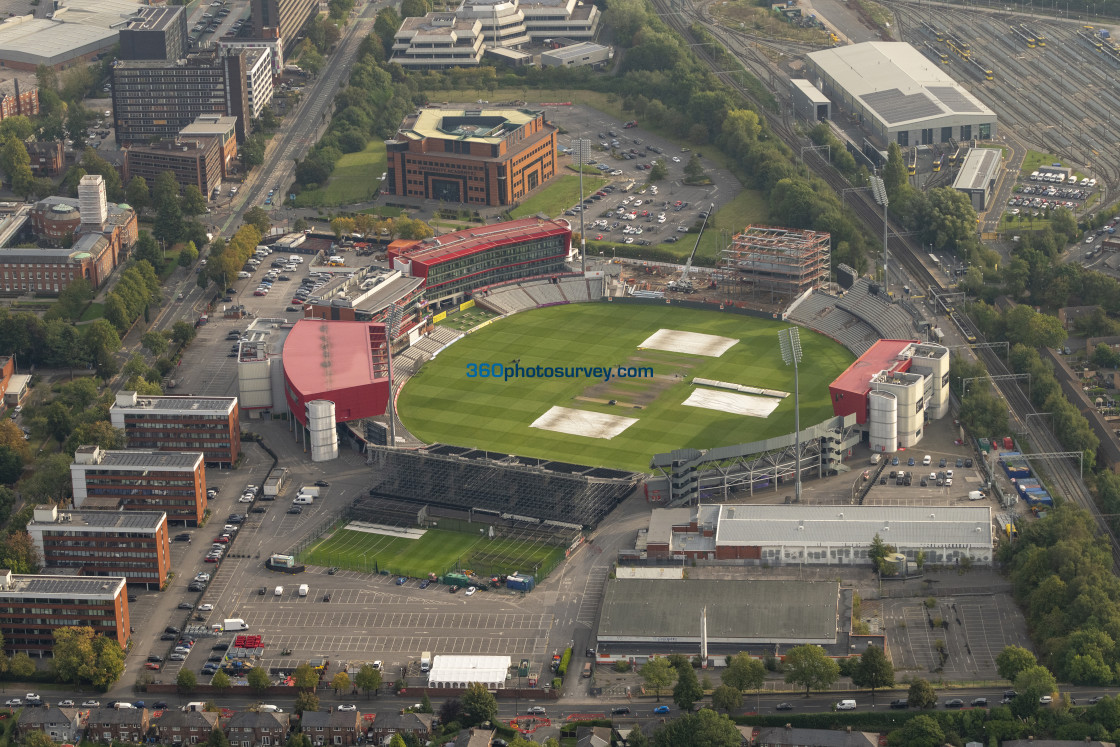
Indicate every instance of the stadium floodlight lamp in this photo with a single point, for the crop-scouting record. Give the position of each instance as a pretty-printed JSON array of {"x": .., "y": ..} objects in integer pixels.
[
  {"x": 789, "y": 340},
  {"x": 879, "y": 191}
]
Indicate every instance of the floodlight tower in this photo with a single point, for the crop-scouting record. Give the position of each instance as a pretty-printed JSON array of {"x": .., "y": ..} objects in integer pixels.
[
  {"x": 789, "y": 340},
  {"x": 582, "y": 147},
  {"x": 879, "y": 191}
]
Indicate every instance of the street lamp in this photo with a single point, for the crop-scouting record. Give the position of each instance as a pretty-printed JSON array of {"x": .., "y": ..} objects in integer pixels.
[{"x": 789, "y": 340}]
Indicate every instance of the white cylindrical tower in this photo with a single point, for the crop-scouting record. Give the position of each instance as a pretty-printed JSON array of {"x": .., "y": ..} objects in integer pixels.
[
  {"x": 883, "y": 422},
  {"x": 320, "y": 426}
]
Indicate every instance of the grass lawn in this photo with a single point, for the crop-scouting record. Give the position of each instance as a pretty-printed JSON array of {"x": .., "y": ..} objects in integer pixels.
[
  {"x": 95, "y": 310},
  {"x": 558, "y": 196},
  {"x": 441, "y": 403},
  {"x": 1036, "y": 158},
  {"x": 384, "y": 211},
  {"x": 438, "y": 551},
  {"x": 355, "y": 179}
]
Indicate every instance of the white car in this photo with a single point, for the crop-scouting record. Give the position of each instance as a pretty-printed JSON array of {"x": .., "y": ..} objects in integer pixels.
[
  {"x": 346, "y": 707},
  {"x": 202, "y": 577},
  {"x": 471, "y": 590},
  {"x": 91, "y": 704},
  {"x": 676, "y": 160},
  {"x": 245, "y": 499},
  {"x": 65, "y": 704},
  {"x": 205, "y": 608},
  {"x": 377, "y": 665},
  {"x": 13, "y": 702}
]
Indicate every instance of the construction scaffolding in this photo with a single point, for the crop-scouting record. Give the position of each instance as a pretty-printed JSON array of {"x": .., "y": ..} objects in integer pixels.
[
  {"x": 508, "y": 486},
  {"x": 782, "y": 263}
]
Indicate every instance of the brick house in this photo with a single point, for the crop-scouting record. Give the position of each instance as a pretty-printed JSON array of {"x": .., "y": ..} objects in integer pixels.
[
  {"x": 334, "y": 728},
  {"x": 252, "y": 729},
  {"x": 184, "y": 727},
  {"x": 386, "y": 725},
  {"x": 60, "y": 724},
  {"x": 475, "y": 737},
  {"x": 117, "y": 725}
]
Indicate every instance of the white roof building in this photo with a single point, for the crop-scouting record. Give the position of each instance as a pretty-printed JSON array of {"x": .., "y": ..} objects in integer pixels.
[
  {"x": 456, "y": 671},
  {"x": 900, "y": 95}
]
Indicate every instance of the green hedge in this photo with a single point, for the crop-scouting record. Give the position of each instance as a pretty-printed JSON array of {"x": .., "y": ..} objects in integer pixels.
[{"x": 564, "y": 661}]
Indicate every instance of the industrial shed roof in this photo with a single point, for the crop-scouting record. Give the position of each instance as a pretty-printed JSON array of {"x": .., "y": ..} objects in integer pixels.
[
  {"x": 668, "y": 610},
  {"x": 43, "y": 42},
  {"x": 896, "y": 82}
]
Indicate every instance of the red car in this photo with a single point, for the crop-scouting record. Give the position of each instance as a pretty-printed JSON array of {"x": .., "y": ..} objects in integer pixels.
[
  {"x": 152, "y": 665},
  {"x": 211, "y": 559},
  {"x": 297, "y": 301},
  {"x": 222, "y": 540}
]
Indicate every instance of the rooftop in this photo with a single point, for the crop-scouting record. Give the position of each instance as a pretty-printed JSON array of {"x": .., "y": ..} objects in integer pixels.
[
  {"x": 137, "y": 460},
  {"x": 369, "y": 292},
  {"x": 209, "y": 125},
  {"x": 472, "y": 240},
  {"x": 153, "y": 18},
  {"x": 896, "y": 82},
  {"x": 105, "y": 587},
  {"x": 185, "y": 404},
  {"x": 321, "y": 356},
  {"x": 883, "y": 355},
  {"x": 811, "y": 92},
  {"x": 313, "y": 719},
  {"x": 836, "y": 526},
  {"x": 43, "y": 41},
  {"x": 475, "y": 125},
  {"x": 737, "y": 611},
  {"x": 468, "y": 668},
  {"x": 101, "y": 519},
  {"x": 575, "y": 50},
  {"x": 980, "y": 166}
]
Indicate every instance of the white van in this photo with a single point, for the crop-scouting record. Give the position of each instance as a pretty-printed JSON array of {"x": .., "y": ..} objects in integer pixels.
[
  {"x": 927, "y": 460},
  {"x": 303, "y": 500},
  {"x": 846, "y": 705},
  {"x": 244, "y": 275},
  {"x": 269, "y": 708},
  {"x": 278, "y": 592},
  {"x": 303, "y": 589}
]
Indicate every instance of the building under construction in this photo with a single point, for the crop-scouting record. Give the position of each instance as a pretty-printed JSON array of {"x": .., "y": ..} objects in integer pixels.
[{"x": 776, "y": 264}]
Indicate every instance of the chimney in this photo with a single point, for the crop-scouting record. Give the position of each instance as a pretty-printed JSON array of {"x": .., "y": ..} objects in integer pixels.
[{"x": 19, "y": 101}]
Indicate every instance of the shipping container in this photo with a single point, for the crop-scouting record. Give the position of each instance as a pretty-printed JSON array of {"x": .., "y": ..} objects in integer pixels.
[
  {"x": 985, "y": 445},
  {"x": 1008, "y": 444},
  {"x": 520, "y": 583},
  {"x": 455, "y": 579}
]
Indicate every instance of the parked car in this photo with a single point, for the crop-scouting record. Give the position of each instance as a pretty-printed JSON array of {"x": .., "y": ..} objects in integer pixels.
[
  {"x": 900, "y": 703},
  {"x": 538, "y": 711},
  {"x": 979, "y": 703},
  {"x": 620, "y": 710},
  {"x": 346, "y": 707},
  {"x": 91, "y": 704},
  {"x": 322, "y": 484},
  {"x": 954, "y": 703},
  {"x": 471, "y": 590},
  {"x": 401, "y": 580}
]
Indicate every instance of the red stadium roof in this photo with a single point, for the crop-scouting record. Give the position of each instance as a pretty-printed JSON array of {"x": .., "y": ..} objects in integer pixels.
[
  {"x": 883, "y": 355},
  {"x": 324, "y": 356},
  {"x": 473, "y": 240}
]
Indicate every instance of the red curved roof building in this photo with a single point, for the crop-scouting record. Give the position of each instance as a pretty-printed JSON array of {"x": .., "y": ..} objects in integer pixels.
[{"x": 344, "y": 362}]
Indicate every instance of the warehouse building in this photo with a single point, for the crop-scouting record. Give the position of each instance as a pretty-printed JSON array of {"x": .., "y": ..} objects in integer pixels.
[
  {"x": 173, "y": 482},
  {"x": 132, "y": 544},
  {"x": 577, "y": 55},
  {"x": 475, "y": 156},
  {"x": 900, "y": 96},
  {"x": 809, "y": 103},
  {"x": 978, "y": 175},
  {"x": 211, "y": 425},
  {"x": 645, "y": 617},
  {"x": 32, "y": 42},
  {"x": 35, "y": 605},
  {"x": 818, "y": 535}
]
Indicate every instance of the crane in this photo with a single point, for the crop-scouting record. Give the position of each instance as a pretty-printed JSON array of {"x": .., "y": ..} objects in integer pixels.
[{"x": 683, "y": 284}]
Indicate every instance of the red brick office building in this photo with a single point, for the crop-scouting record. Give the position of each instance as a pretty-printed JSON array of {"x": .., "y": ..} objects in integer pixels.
[
  {"x": 473, "y": 156},
  {"x": 211, "y": 425},
  {"x": 35, "y": 605},
  {"x": 173, "y": 482}
]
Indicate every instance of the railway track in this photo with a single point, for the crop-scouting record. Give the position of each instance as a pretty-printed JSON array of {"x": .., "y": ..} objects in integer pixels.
[{"x": 1062, "y": 473}]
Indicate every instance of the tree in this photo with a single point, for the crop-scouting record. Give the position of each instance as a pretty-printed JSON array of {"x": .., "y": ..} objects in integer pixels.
[
  {"x": 809, "y": 666},
  {"x": 873, "y": 671},
  {"x": 221, "y": 681},
  {"x": 920, "y": 731},
  {"x": 258, "y": 680},
  {"x": 368, "y": 679},
  {"x": 102, "y": 342},
  {"x": 1031, "y": 684},
  {"x": 73, "y": 298},
  {"x": 744, "y": 672},
  {"x": 426, "y": 704},
  {"x": 73, "y": 652},
  {"x": 728, "y": 698},
  {"x": 659, "y": 172},
  {"x": 921, "y": 694},
  {"x": 705, "y": 727},
  {"x": 193, "y": 202},
  {"x": 50, "y": 480},
  {"x": 878, "y": 552},
  {"x": 14, "y": 157},
  {"x": 21, "y": 665},
  {"x": 108, "y": 662},
  {"x": 658, "y": 674},
  {"x": 413, "y": 8},
  {"x": 408, "y": 228},
  {"x": 186, "y": 681},
  {"x": 258, "y": 218},
  {"x": 217, "y": 737},
  {"x": 305, "y": 677},
  {"x": 137, "y": 194},
  {"x": 188, "y": 254},
  {"x": 687, "y": 690},
  {"x": 479, "y": 705},
  {"x": 18, "y": 552},
  {"x": 11, "y": 465},
  {"x": 451, "y": 710},
  {"x": 169, "y": 222},
  {"x": 297, "y": 739},
  {"x": 36, "y": 738},
  {"x": 397, "y": 740},
  {"x": 694, "y": 170},
  {"x": 154, "y": 342},
  {"x": 182, "y": 333},
  {"x": 300, "y": 225},
  {"x": 306, "y": 701},
  {"x": 1012, "y": 660},
  {"x": 340, "y": 683},
  {"x": 342, "y": 227}
]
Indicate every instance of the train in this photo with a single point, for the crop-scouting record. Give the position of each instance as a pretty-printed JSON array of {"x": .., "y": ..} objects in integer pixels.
[
  {"x": 1023, "y": 36},
  {"x": 937, "y": 162},
  {"x": 932, "y": 30},
  {"x": 960, "y": 48},
  {"x": 1039, "y": 39},
  {"x": 913, "y": 167},
  {"x": 981, "y": 69},
  {"x": 937, "y": 54},
  {"x": 1086, "y": 33}
]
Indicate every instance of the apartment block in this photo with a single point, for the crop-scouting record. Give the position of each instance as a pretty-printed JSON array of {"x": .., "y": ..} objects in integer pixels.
[
  {"x": 155, "y": 33},
  {"x": 132, "y": 544},
  {"x": 222, "y": 128},
  {"x": 211, "y": 425},
  {"x": 33, "y": 606},
  {"x": 280, "y": 18},
  {"x": 194, "y": 161}
]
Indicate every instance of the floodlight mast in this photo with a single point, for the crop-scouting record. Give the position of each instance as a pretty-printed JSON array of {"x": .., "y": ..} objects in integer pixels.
[
  {"x": 789, "y": 340},
  {"x": 879, "y": 191}
]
